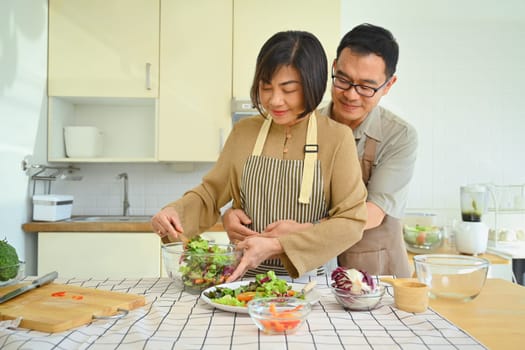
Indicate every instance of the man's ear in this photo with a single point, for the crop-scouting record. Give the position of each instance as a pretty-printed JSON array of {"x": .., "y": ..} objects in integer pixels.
[
  {"x": 333, "y": 65},
  {"x": 389, "y": 84}
]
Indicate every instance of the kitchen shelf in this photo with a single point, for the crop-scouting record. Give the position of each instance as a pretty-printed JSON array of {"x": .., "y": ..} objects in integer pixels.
[
  {"x": 128, "y": 126},
  {"x": 507, "y": 211}
]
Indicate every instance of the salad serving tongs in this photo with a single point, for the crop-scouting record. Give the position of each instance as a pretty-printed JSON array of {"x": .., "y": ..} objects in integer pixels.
[
  {"x": 183, "y": 237},
  {"x": 307, "y": 288}
]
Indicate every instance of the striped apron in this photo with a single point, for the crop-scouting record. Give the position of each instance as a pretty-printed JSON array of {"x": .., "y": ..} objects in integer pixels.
[{"x": 277, "y": 189}]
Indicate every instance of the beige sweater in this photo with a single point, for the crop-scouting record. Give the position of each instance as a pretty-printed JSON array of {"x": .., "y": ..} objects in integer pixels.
[{"x": 199, "y": 208}]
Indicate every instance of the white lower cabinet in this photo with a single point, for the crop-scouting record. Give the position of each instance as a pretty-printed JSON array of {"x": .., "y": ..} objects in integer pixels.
[{"x": 100, "y": 254}]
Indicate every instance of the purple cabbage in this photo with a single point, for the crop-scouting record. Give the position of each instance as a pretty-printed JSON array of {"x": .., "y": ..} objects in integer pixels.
[{"x": 341, "y": 280}]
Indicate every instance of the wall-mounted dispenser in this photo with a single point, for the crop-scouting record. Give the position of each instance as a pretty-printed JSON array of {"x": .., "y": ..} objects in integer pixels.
[{"x": 242, "y": 109}]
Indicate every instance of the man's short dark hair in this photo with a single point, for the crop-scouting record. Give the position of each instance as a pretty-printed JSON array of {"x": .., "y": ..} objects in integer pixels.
[{"x": 366, "y": 39}]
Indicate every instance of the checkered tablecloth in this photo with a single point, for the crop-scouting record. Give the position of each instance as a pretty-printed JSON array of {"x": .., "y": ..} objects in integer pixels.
[{"x": 174, "y": 319}]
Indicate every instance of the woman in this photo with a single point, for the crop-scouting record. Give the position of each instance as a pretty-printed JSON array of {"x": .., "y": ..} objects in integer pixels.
[{"x": 286, "y": 168}]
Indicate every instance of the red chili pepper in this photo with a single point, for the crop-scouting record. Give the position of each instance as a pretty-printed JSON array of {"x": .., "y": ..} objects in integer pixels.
[
  {"x": 78, "y": 297},
  {"x": 58, "y": 294}
]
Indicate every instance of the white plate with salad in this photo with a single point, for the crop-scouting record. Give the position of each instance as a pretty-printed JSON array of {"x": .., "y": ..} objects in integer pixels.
[{"x": 313, "y": 296}]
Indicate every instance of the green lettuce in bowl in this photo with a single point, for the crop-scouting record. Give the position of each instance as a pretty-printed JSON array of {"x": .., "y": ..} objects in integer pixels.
[
  {"x": 199, "y": 264},
  {"x": 423, "y": 239}
]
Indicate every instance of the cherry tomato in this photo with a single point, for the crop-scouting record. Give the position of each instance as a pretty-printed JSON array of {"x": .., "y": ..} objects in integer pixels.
[{"x": 421, "y": 237}]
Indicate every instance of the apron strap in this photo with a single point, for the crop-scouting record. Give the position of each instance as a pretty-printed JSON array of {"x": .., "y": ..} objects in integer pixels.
[
  {"x": 261, "y": 138},
  {"x": 310, "y": 157},
  {"x": 311, "y": 149},
  {"x": 369, "y": 156}
]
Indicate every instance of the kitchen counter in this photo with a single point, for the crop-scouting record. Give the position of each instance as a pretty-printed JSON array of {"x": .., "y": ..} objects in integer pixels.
[
  {"x": 139, "y": 250},
  {"x": 85, "y": 226},
  {"x": 131, "y": 226},
  {"x": 173, "y": 318},
  {"x": 447, "y": 249},
  {"x": 500, "y": 266},
  {"x": 496, "y": 317}
]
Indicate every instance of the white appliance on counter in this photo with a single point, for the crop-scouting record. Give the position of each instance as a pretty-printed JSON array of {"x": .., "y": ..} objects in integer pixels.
[
  {"x": 472, "y": 233},
  {"x": 52, "y": 207}
]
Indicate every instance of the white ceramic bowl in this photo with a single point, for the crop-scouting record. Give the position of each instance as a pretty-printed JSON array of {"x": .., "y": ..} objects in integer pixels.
[{"x": 457, "y": 277}]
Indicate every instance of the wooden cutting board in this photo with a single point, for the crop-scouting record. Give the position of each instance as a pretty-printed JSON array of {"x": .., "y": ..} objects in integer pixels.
[{"x": 59, "y": 307}]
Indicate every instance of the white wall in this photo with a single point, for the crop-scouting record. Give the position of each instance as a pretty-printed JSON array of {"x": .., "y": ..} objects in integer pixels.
[
  {"x": 460, "y": 77},
  {"x": 23, "y": 61}
]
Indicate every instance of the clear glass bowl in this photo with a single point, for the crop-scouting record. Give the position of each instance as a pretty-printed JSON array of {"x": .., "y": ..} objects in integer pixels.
[
  {"x": 423, "y": 239},
  {"x": 197, "y": 272},
  {"x": 279, "y": 315},
  {"x": 457, "y": 277},
  {"x": 12, "y": 274},
  {"x": 358, "y": 302}
]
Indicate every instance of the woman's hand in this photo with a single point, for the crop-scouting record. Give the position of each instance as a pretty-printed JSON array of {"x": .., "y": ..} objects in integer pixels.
[
  {"x": 234, "y": 221},
  {"x": 255, "y": 250},
  {"x": 283, "y": 227},
  {"x": 167, "y": 223}
]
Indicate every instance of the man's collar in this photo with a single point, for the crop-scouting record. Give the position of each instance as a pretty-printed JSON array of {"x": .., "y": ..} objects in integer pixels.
[{"x": 370, "y": 127}]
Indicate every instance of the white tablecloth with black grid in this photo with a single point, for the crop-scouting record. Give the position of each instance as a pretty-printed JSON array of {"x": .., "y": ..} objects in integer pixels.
[{"x": 175, "y": 319}]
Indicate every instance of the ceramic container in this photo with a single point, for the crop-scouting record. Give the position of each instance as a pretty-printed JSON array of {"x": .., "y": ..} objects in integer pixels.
[{"x": 410, "y": 295}]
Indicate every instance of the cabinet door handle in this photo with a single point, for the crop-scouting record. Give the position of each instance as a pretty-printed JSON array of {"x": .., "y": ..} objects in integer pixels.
[{"x": 148, "y": 76}]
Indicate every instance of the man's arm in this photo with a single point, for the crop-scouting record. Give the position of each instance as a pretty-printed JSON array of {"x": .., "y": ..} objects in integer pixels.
[{"x": 389, "y": 183}]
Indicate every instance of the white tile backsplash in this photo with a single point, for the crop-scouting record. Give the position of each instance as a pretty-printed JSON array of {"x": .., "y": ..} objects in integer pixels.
[{"x": 151, "y": 186}]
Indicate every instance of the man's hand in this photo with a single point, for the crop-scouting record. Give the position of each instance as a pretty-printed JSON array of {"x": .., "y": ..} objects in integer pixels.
[
  {"x": 167, "y": 223},
  {"x": 234, "y": 221},
  {"x": 283, "y": 227},
  {"x": 255, "y": 250},
  {"x": 375, "y": 216}
]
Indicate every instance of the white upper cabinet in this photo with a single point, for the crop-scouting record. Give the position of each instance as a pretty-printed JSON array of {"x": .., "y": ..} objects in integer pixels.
[
  {"x": 103, "y": 70},
  {"x": 195, "y": 80},
  {"x": 256, "y": 21},
  {"x": 156, "y": 77},
  {"x": 101, "y": 48}
]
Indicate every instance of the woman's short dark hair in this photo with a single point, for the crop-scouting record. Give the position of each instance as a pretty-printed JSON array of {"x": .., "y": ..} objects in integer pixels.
[
  {"x": 367, "y": 38},
  {"x": 304, "y": 52}
]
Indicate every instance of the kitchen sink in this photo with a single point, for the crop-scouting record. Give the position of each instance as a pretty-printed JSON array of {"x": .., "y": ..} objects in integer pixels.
[{"x": 111, "y": 218}]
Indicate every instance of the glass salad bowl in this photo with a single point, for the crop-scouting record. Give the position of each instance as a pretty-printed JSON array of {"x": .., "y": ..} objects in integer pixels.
[
  {"x": 452, "y": 277},
  {"x": 361, "y": 301},
  {"x": 199, "y": 264},
  {"x": 423, "y": 239},
  {"x": 278, "y": 315}
]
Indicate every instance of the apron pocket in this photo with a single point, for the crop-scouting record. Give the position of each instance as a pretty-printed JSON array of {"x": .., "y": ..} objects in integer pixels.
[{"x": 374, "y": 262}]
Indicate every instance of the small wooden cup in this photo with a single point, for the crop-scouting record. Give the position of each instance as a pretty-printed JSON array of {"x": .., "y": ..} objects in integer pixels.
[{"x": 410, "y": 295}]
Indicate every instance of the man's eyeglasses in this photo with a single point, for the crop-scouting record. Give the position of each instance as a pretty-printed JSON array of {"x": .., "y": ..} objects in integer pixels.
[{"x": 363, "y": 90}]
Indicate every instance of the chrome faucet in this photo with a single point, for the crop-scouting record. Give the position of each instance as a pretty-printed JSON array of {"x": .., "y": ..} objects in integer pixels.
[{"x": 125, "y": 203}]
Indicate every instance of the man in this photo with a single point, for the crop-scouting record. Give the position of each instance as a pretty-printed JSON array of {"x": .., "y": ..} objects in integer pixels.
[{"x": 362, "y": 73}]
